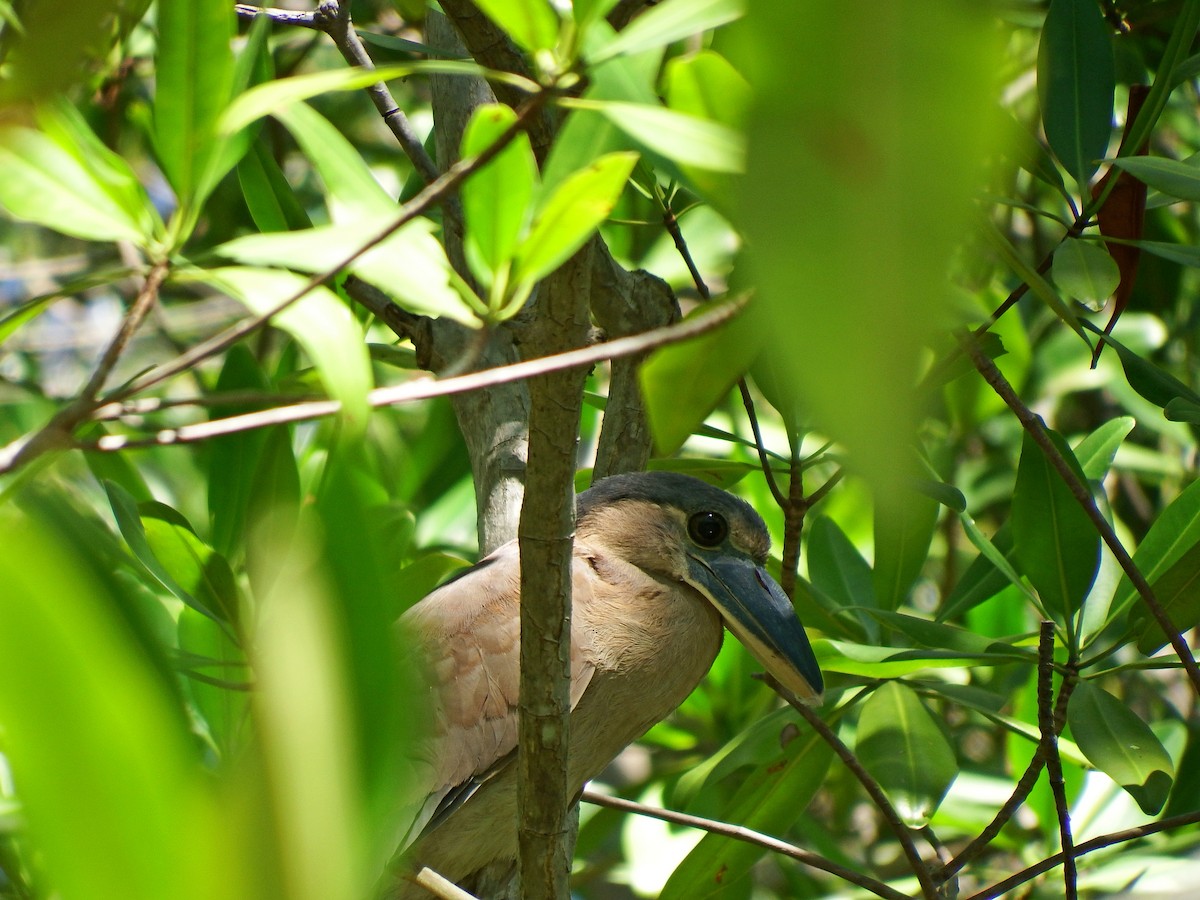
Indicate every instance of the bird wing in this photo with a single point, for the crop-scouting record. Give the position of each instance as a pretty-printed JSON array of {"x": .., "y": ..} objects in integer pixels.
[{"x": 467, "y": 634}]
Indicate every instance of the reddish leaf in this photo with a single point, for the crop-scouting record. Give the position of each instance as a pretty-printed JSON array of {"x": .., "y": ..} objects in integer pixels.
[{"x": 1122, "y": 216}]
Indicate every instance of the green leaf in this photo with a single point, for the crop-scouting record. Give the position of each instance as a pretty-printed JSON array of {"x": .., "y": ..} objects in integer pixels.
[
  {"x": 272, "y": 508},
  {"x": 1174, "y": 533},
  {"x": 1147, "y": 379},
  {"x": 666, "y": 23},
  {"x": 193, "y": 82},
  {"x": 351, "y": 190},
  {"x": 875, "y": 662},
  {"x": 838, "y": 571},
  {"x": 683, "y": 382},
  {"x": 707, "y": 86},
  {"x": 43, "y": 182},
  {"x": 901, "y": 744},
  {"x": 1178, "y": 592},
  {"x": 1097, "y": 451},
  {"x": 133, "y": 529},
  {"x": 771, "y": 797},
  {"x": 233, "y": 458},
  {"x": 496, "y": 200},
  {"x": 90, "y": 724},
  {"x": 323, "y": 326},
  {"x": 532, "y": 24},
  {"x": 569, "y": 216},
  {"x": 903, "y": 532},
  {"x": 1183, "y": 254},
  {"x": 410, "y": 264},
  {"x": 193, "y": 565},
  {"x": 681, "y": 138},
  {"x": 208, "y": 656},
  {"x": 1171, "y": 176},
  {"x": 1056, "y": 544},
  {"x": 1120, "y": 745},
  {"x": 1085, "y": 271},
  {"x": 1076, "y": 80}
]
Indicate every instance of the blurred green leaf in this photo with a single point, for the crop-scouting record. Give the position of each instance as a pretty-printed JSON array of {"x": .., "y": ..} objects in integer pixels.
[
  {"x": 272, "y": 506},
  {"x": 352, "y": 191},
  {"x": 318, "y": 321},
  {"x": 1056, "y": 544},
  {"x": 497, "y": 199},
  {"x": 855, "y": 197},
  {"x": 193, "y": 83},
  {"x": 269, "y": 198},
  {"x": 668, "y": 22},
  {"x": 410, "y": 264},
  {"x": 202, "y": 572},
  {"x": 532, "y": 24},
  {"x": 41, "y": 181},
  {"x": 681, "y": 138},
  {"x": 570, "y": 214},
  {"x": 901, "y": 744},
  {"x": 1120, "y": 745},
  {"x": 88, "y": 724},
  {"x": 1076, "y": 80},
  {"x": 1085, "y": 271}
]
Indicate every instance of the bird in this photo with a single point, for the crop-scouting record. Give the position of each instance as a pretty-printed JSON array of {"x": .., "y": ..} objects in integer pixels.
[{"x": 662, "y": 563}]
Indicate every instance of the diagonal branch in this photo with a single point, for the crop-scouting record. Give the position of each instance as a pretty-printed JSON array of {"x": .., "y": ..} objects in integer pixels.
[{"x": 1033, "y": 425}]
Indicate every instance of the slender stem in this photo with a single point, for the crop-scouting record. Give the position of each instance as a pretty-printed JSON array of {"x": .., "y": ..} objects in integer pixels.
[
  {"x": 1083, "y": 496},
  {"x": 901, "y": 831},
  {"x": 441, "y": 887},
  {"x": 749, "y": 836},
  {"x": 1000, "y": 888},
  {"x": 427, "y": 388},
  {"x": 1054, "y": 771}
]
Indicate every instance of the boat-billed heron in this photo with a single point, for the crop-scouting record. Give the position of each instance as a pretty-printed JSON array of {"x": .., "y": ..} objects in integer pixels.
[{"x": 661, "y": 562}]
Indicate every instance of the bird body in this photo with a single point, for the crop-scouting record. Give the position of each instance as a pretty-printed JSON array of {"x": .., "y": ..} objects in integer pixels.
[{"x": 645, "y": 629}]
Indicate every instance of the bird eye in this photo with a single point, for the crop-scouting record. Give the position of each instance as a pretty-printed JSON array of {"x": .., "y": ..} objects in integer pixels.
[{"x": 708, "y": 529}]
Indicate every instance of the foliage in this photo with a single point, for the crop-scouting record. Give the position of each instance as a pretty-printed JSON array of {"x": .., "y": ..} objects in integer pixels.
[{"x": 222, "y": 477}]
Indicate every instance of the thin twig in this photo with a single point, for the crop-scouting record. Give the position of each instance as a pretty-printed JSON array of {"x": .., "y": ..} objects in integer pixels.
[
  {"x": 1026, "y": 784},
  {"x": 1001, "y": 888},
  {"x": 333, "y": 17},
  {"x": 1083, "y": 496},
  {"x": 749, "y": 836},
  {"x": 901, "y": 831},
  {"x": 57, "y": 432},
  {"x": 281, "y": 16},
  {"x": 427, "y": 388},
  {"x": 1054, "y": 771}
]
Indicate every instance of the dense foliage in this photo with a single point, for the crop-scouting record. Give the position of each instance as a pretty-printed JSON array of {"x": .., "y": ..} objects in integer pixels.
[{"x": 234, "y": 238}]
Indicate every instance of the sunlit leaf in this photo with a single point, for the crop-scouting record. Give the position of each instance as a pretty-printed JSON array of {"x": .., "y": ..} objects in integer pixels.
[
  {"x": 533, "y": 24},
  {"x": 667, "y": 22},
  {"x": 410, "y": 264},
  {"x": 1175, "y": 531},
  {"x": 320, "y": 322},
  {"x": 1096, "y": 451},
  {"x": 193, "y": 82},
  {"x": 569, "y": 216},
  {"x": 903, "y": 532},
  {"x": 1076, "y": 79},
  {"x": 1178, "y": 593},
  {"x": 496, "y": 199},
  {"x": 902, "y": 745},
  {"x": 681, "y": 138},
  {"x": 1120, "y": 745}
]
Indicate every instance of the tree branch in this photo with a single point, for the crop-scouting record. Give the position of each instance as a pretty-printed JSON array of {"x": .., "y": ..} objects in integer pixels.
[
  {"x": 749, "y": 836},
  {"x": 1083, "y": 496}
]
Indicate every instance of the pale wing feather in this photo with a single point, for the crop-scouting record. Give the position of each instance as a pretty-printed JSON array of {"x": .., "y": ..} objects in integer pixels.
[{"x": 467, "y": 632}]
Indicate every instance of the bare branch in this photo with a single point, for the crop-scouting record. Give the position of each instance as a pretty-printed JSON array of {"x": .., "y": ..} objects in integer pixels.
[
  {"x": 427, "y": 388},
  {"x": 749, "y": 836},
  {"x": 1054, "y": 771}
]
